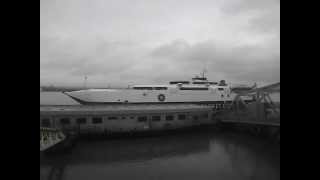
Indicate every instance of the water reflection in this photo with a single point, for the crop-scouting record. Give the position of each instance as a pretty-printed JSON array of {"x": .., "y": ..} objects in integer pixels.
[{"x": 186, "y": 156}]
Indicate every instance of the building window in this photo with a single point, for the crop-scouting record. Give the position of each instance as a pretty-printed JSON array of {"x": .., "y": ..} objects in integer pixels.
[
  {"x": 142, "y": 119},
  {"x": 65, "y": 121},
  {"x": 81, "y": 120},
  {"x": 45, "y": 123},
  {"x": 182, "y": 117},
  {"x": 169, "y": 118},
  {"x": 195, "y": 118},
  {"x": 112, "y": 118},
  {"x": 156, "y": 118},
  {"x": 206, "y": 115},
  {"x": 97, "y": 120}
]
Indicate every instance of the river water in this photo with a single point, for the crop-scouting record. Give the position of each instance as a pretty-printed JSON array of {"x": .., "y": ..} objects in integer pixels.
[{"x": 188, "y": 155}]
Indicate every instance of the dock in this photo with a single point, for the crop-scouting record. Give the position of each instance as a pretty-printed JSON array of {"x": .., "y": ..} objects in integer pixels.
[
  {"x": 262, "y": 111},
  {"x": 261, "y": 115}
]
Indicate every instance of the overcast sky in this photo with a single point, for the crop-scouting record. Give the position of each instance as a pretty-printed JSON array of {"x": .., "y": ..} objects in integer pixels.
[{"x": 120, "y": 42}]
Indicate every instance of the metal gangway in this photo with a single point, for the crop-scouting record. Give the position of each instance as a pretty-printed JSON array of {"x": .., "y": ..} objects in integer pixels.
[
  {"x": 263, "y": 110},
  {"x": 49, "y": 137}
]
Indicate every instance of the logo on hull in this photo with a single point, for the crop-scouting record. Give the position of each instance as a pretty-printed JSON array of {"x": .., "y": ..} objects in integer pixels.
[{"x": 161, "y": 97}]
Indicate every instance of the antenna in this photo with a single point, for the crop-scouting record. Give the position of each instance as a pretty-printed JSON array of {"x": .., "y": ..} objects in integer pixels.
[
  {"x": 85, "y": 81},
  {"x": 204, "y": 71}
]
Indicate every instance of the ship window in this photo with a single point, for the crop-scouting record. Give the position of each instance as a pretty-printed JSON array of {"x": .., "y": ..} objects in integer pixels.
[
  {"x": 194, "y": 88},
  {"x": 97, "y": 120},
  {"x": 112, "y": 118},
  {"x": 160, "y": 88},
  {"x": 177, "y": 82},
  {"x": 156, "y": 118},
  {"x": 45, "y": 123},
  {"x": 123, "y": 117},
  {"x": 200, "y": 78},
  {"x": 143, "y": 88},
  {"x": 142, "y": 119},
  {"x": 200, "y": 83},
  {"x": 169, "y": 118},
  {"x": 81, "y": 120},
  {"x": 182, "y": 116},
  {"x": 65, "y": 121},
  {"x": 220, "y": 89}
]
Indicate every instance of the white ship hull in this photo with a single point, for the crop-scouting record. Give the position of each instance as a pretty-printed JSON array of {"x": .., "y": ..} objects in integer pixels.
[
  {"x": 152, "y": 96},
  {"x": 200, "y": 90}
]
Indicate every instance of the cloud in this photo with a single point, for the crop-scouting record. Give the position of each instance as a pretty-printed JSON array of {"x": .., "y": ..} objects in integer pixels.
[
  {"x": 235, "y": 63},
  {"x": 263, "y": 16},
  {"x": 121, "y": 41}
]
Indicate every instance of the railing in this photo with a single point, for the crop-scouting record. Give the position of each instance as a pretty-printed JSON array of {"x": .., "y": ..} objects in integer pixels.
[
  {"x": 262, "y": 111},
  {"x": 50, "y": 137}
]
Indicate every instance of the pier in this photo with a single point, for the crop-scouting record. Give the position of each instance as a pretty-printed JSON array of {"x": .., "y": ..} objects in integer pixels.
[
  {"x": 259, "y": 117},
  {"x": 262, "y": 111}
]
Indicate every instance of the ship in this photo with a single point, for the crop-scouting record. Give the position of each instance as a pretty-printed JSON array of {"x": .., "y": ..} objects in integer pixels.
[{"x": 198, "y": 90}]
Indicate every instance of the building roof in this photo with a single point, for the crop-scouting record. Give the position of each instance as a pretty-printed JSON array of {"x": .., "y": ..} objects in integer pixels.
[{"x": 120, "y": 109}]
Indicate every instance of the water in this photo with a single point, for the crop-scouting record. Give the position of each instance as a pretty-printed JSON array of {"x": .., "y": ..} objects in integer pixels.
[{"x": 193, "y": 155}]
